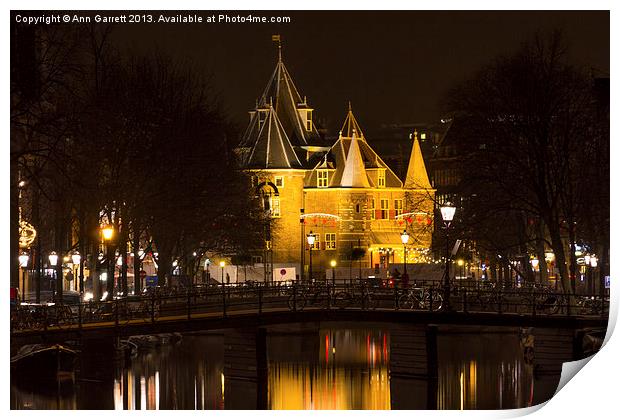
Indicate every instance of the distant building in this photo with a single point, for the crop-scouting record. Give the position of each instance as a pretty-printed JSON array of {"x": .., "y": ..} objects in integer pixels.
[{"x": 344, "y": 193}]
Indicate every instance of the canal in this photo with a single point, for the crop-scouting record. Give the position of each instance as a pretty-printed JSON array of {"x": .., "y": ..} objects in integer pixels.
[{"x": 313, "y": 366}]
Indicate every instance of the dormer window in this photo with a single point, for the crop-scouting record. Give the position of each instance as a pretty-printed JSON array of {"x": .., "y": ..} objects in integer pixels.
[
  {"x": 322, "y": 179},
  {"x": 309, "y": 121},
  {"x": 262, "y": 116},
  {"x": 381, "y": 179}
]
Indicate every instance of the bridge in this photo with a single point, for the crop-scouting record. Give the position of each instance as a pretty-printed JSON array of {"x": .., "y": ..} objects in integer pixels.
[{"x": 218, "y": 307}]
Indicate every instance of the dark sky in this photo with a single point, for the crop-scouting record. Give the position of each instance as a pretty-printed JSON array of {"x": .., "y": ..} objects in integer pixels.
[{"x": 393, "y": 66}]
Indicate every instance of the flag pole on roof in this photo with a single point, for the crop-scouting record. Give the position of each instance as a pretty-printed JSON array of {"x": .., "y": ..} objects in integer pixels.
[{"x": 276, "y": 38}]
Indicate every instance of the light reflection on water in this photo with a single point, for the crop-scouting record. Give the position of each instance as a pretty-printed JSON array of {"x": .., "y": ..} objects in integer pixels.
[{"x": 317, "y": 368}]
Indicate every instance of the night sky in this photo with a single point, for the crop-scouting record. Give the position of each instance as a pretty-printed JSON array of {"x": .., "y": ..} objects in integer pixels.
[{"x": 393, "y": 66}]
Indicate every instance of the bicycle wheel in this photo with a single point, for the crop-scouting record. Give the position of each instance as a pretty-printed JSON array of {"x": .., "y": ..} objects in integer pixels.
[
  {"x": 405, "y": 302},
  {"x": 370, "y": 303},
  {"x": 342, "y": 300},
  {"x": 296, "y": 302},
  {"x": 432, "y": 301}
]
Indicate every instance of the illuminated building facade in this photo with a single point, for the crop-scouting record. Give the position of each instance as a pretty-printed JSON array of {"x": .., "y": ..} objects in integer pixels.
[{"x": 343, "y": 193}]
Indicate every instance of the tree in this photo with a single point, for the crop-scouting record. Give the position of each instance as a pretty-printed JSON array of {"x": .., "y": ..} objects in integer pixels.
[{"x": 528, "y": 118}]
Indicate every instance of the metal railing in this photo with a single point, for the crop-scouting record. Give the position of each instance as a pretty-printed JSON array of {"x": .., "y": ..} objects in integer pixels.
[{"x": 221, "y": 301}]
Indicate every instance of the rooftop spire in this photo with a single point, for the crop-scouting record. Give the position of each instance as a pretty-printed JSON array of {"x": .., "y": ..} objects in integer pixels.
[
  {"x": 417, "y": 178},
  {"x": 354, "y": 173},
  {"x": 351, "y": 127},
  {"x": 276, "y": 38}
]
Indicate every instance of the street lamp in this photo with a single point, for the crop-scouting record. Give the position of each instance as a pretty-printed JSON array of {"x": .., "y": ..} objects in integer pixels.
[
  {"x": 404, "y": 237},
  {"x": 107, "y": 232},
  {"x": 53, "y": 259},
  {"x": 76, "y": 258},
  {"x": 311, "y": 238},
  {"x": 333, "y": 264},
  {"x": 222, "y": 264},
  {"x": 23, "y": 263},
  {"x": 447, "y": 214}
]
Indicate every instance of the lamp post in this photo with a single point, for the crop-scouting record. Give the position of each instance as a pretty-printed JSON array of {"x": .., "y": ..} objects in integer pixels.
[
  {"x": 404, "y": 237},
  {"x": 76, "y": 258},
  {"x": 23, "y": 263},
  {"x": 53, "y": 260},
  {"x": 447, "y": 214},
  {"x": 311, "y": 238},
  {"x": 222, "y": 264},
  {"x": 333, "y": 264},
  {"x": 107, "y": 233}
]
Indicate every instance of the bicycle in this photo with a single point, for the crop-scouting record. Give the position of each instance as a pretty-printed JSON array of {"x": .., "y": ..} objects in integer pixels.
[
  {"x": 589, "y": 305},
  {"x": 364, "y": 297},
  {"x": 299, "y": 298},
  {"x": 420, "y": 298}
]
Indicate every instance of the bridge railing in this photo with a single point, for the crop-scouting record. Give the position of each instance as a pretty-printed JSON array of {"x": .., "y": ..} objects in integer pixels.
[{"x": 221, "y": 301}]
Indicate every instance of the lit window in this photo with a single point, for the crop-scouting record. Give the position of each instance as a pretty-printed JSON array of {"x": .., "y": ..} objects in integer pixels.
[
  {"x": 279, "y": 181},
  {"x": 372, "y": 209},
  {"x": 385, "y": 207},
  {"x": 381, "y": 182},
  {"x": 398, "y": 207},
  {"x": 330, "y": 241},
  {"x": 275, "y": 206},
  {"x": 317, "y": 241},
  {"x": 322, "y": 179},
  {"x": 423, "y": 136}
]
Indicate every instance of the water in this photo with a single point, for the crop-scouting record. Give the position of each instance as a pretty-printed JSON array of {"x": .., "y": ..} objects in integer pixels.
[{"x": 311, "y": 366}]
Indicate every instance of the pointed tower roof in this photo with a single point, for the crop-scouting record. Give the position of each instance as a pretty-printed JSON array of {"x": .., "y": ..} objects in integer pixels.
[
  {"x": 272, "y": 149},
  {"x": 354, "y": 173},
  {"x": 350, "y": 126},
  {"x": 287, "y": 101},
  {"x": 350, "y": 157},
  {"x": 417, "y": 177}
]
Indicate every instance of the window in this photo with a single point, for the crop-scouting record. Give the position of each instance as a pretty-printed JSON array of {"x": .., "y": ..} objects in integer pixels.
[
  {"x": 372, "y": 209},
  {"x": 262, "y": 115},
  {"x": 357, "y": 208},
  {"x": 275, "y": 206},
  {"x": 309, "y": 121},
  {"x": 257, "y": 259},
  {"x": 330, "y": 241},
  {"x": 423, "y": 136},
  {"x": 279, "y": 181},
  {"x": 322, "y": 179},
  {"x": 381, "y": 182},
  {"x": 398, "y": 207},
  {"x": 385, "y": 207},
  {"x": 317, "y": 241}
]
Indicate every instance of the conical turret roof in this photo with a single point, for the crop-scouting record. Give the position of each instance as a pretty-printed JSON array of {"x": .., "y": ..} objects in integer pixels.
[
  {"x": 281, "y": 90},
  {"x": 354, "y": 173},
  {"x": 272, "y": 149},
  {"x": 351, "y": 126},
  {"x": 417, "y": 177}
]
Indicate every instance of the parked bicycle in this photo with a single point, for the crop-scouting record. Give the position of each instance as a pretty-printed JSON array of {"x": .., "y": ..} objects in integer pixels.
[{"x": 420, "y": 298}]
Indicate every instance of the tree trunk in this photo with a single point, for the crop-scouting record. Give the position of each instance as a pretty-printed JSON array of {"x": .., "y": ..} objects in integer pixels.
[{"x": 137, "y": 262}]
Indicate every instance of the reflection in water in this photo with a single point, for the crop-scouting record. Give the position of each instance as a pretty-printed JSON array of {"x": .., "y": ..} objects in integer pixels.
[
  {"x": 489, "y": 370},
  {"x": 352, "y": 373},
  {"x": 307, "y": 367}
]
